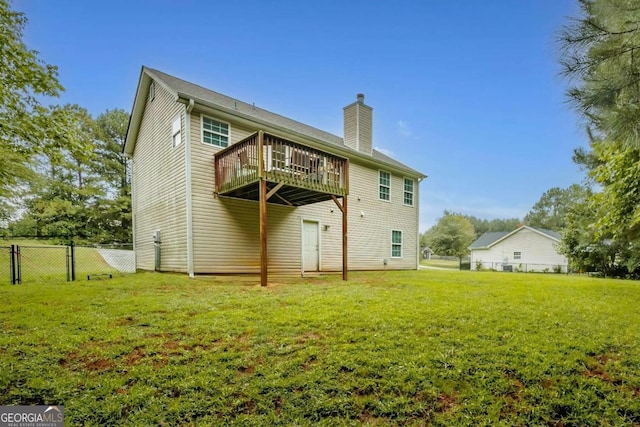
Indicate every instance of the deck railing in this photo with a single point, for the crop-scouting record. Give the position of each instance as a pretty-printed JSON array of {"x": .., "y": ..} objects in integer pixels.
[{"x": 284, "y": 162}]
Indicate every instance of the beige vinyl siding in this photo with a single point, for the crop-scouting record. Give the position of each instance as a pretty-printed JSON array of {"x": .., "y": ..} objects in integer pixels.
[
  {"x": 350, "y": 133},
  {"x": 226, "y": 231},
  {"x": 327, "y": 214},
  {"x": 369, "y": 236},
  {"x": 366, "y": 128},
  {"x": 226, "y": 234},
  {"x": 358, "y": 127},
  {"x": 371, "y": 221},
  {"x": 159, "y": 185}
]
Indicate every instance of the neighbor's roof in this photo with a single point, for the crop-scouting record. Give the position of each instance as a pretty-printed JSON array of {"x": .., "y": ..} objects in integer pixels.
[
  {"x": 186, "y": 90},
  {"x": 491, "y": 238},
  {"x": 487, "y": 239}
]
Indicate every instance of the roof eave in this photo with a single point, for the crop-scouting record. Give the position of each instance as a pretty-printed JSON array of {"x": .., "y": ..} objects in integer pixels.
[
  {"x": 136, "y": 112},
  {"x": 317, "y": 143},
  {"x": 506, "y": 236},
  {"x": 139, "y": 102}
]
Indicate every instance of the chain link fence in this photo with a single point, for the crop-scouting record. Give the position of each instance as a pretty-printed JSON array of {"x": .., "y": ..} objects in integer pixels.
[
  {"x": 33, "y": 261},
  {"x": 520, "y": 267},
  {"x": 44, "y": 263},
  {"x": 5, "y": 262}
]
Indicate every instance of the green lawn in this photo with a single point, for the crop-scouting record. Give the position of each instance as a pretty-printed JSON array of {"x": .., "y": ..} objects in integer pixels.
[
  {"x": 395, "y": 348},
  {"x": 441, "y": 263}
]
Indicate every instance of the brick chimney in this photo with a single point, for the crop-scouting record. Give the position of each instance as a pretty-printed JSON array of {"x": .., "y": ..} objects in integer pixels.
[{"x": 358, "y": 125}]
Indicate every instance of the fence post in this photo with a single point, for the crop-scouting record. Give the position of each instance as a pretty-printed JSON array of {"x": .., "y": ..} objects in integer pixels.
[
  {"x": 15, "y": 266},
  {"x": 12, "y": 264},
  {"x": 19, "y": 259},
  {"x": 68, "y": 252},
  {"x": 73, "y": 262}
]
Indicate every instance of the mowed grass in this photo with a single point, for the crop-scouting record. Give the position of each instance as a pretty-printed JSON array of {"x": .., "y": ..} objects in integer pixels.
[
  {"x": 441, "y": 263},
  {"x": 394, "y": 348}
]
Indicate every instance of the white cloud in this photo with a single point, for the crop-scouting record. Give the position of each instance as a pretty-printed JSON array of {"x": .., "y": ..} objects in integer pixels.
[{"x": 403, "y": 128}]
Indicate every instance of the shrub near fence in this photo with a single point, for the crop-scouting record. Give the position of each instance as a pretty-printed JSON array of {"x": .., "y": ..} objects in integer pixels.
[{"x": 521, "y": 267}]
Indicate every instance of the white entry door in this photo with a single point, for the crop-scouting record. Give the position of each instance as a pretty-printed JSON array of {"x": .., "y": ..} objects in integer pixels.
[{"x": 310, "y": 246}]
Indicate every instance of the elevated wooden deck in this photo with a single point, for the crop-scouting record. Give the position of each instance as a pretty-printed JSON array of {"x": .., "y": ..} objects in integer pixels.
[
  {"x": 271, "y": 169},
  {"x": 295, "y": 174}
]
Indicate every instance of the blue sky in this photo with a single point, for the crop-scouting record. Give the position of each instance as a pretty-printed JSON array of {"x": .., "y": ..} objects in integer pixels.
[{"x": 468, "y": 92}]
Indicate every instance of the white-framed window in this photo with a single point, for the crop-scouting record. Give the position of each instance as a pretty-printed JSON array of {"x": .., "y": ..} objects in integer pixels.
[
  {"x": 175, "y": 131},
  {"x": 396, "y": 244},
  {"x": 384, "y": 181},
  {"x": 517, "y": 255},
  {"x": 408, "y": 192},
  {"x": 215, "y": 132}
]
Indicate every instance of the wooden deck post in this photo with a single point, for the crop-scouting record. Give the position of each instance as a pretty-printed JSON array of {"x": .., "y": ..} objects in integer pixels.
[
  {"x": 345, "y": 264},
  {"x": 263, "y": 212},
  {"x": 343, "y": 208},
  {"x": 344, "y": 238}
]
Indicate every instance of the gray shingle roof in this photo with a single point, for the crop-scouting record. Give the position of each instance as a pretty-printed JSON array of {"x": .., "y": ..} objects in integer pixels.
[
  {"x": 550, "y": 233},
  {"x": 488, "y": 238},
  {"x": 199, "y": 93},
  {"x": 205, "y": 96}
]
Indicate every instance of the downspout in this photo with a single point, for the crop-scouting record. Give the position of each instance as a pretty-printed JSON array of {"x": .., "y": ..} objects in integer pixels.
[
  {"x": 419, "y": 254},
  {"x": 187, "y": 171}
]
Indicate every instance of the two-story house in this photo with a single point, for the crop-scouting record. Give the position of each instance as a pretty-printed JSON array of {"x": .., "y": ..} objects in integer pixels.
[{"x": 223, "y": 186}]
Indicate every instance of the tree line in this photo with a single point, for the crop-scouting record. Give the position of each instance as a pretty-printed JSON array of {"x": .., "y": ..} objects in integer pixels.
[
  {"x": 454, "y": 232},
  {"x": 62, "y": 173}
]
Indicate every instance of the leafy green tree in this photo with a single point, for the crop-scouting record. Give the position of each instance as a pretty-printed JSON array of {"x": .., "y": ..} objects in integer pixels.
[
  {"x": 587, "y": 249},
  {"x": 24, "y": 122},
  {"x": 618, "y": 174},
  {"x": 115, "y": 211},
  {"x": 451, "y": 236},
  {"x": 600, "y": 55},
  {"x": 61, "y": 197},
  {"x": 111, "y": 131},
  {"x": 81, "y": 193},
  {"x": 551, "y": 210},
  {"x": 482, "y": 226}
]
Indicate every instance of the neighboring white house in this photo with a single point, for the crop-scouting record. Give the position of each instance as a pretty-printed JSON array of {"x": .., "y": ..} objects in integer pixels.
[{"x": 524, "y": 249}]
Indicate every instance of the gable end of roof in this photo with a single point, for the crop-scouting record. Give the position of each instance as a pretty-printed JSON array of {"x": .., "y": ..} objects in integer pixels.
[{"x": 492, "y": 238}]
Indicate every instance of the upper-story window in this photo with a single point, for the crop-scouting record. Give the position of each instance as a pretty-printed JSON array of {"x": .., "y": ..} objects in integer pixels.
[
  {"x": 517, "y": 255},
  {"x": 384, "y": 179},
  {"x": 175, "y": 132},
  {"x": 408, "y": 192},
  {"x": 215, "y": 132}
]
